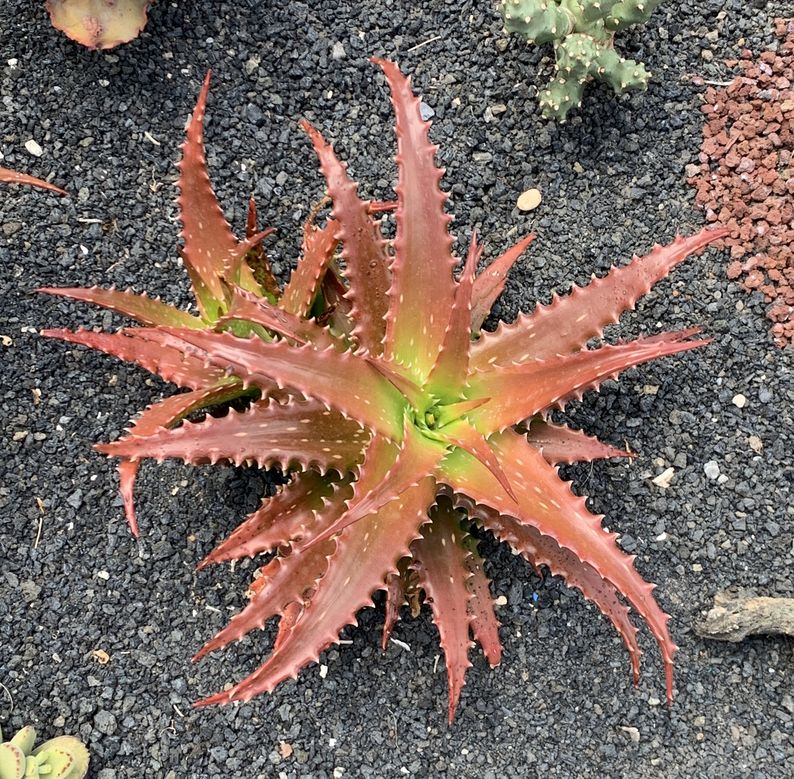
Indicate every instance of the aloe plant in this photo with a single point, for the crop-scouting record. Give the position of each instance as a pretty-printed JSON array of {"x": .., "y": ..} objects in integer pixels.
[
  {"x": 99, "y": 24},
  {"x": 400, "y": 424},
  {"x": 63, "y": 757}
]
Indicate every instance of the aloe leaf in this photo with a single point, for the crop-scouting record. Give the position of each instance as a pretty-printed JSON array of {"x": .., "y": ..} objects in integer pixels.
[
  {"x": 364, "y": 250},
  {"x": 423, "y": 258},
  {"x": 440, "y": 562},
  {"x": 256, "y": 258},
  {"x": 546, "y": 503},
  {"x": 560, "y": 444},
  {"x": 295, "y": 432},
  {"x": 416, "y": 457},
  {"x": 484, "y": 625},
  {"x": 208, "y": 239},
  {"x": 343, "y": 381},
  {"x": 365, "y": 553},
  {"x": 249, "y": 308},
  {"x": 490, "y": 283},
  {"x": 284, "y": 580},
  {"x": 279, "y": 520},
  {"x": 141, "y": 308},
  {"x": 569, "y": 322},
  {"x": 395, "y": 599},
  {"x": 14, "y": 177},
  {"x": 165, "y": 414},
  {"x": 319, "y": 245},
  {"x": 448, "y": 374},
  {"x": 171, "y": 364},
  {"x": 524, "y": 391},
  {"x": 539, "y": 550}
]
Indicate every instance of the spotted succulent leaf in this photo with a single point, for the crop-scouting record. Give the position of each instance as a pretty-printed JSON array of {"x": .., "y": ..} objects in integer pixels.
[
  {"x": 280, "y": 519},
  {"x": 422, "y": 246},
  {"x": 569, "y": 322},
  {"x": 490, "y": 283},
  {"x": 163, "y": 415},
  {"x": 520, "y": 392},
  {"x": 141, "y": 308},
  {"x": 560, "y": 444},
  {"x": 364, "y": 249},
  {"x": 439, "y": 558},
  {"x": 303, "y": 433}
]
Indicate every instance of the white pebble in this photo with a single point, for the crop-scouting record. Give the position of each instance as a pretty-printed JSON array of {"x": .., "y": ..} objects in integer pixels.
[
  {"x": 664, "y": 478},
  {"x": 33, "y": 148},
  {"x": 740, "y": 401},
  {"x": 712, "y": 469}
]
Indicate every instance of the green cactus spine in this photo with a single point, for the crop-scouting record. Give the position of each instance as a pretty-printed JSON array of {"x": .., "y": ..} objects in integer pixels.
[{"x": 582, "y": 32}]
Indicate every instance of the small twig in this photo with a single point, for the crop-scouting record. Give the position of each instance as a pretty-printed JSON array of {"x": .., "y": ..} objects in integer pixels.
[
  {"x": 38, "y": 532},
  {"x": 10, "y": 697},
  {"x": 423, "y": 43},
  {"x": 734, "y": 617}
]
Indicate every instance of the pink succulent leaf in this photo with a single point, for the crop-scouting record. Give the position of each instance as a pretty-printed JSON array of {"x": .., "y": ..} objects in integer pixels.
[
  {"x": 569, "y": 322},
  {"x": 257, "y": 260},
  {"x": 423, "y": 258},
  {"x": 547, "y": 504},
  {"x": 484, "y": 625},
  {"x": 490, "y": 283},
  {"x": 364, "y": 250},
  {"x": 297, "y": 432},
  {"x": 395, "y": 374},
  {"x": 449, "y": 373},
  {"x": 395, "y": 599},
  {"x": 208, "y": 239},
  {"x": 319, "y": 245},
  {"x": 289, "y": 616},
  {"x": 142, "y": 308},
  {"x": 248, "y": 307},
  {"x": 14, "y": 177},
  {"x": 166, "y": 361},
  {"x": 278, "y": 521},
  {"x": 237, "y": 270},
  {"x": 452, "y": 411},
  {"x": 468, "y": 438},
  {"x": 164, "y": 414},
  {"x": 381, "y": 206},
  {"x": 539, "y": 550},
  {"x": 439, "y": 559},
  {"x": 365, "y": 554},
  {"x": 416, "y": 457},
  {"x": 525, "y": 390},
  {"x": 285, "y": 579},
  {"x": 560, "y": 444},
  {"x": 343, "y": 381}
]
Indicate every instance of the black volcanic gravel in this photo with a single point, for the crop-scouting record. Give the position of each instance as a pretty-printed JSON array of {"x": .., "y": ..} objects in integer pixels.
[{"x": 72, "y": 580}]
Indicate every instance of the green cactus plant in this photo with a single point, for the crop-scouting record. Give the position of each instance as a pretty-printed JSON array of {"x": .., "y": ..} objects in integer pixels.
[
  {"x": 583, "y": 33},
  {"x": 63, "y": 757}
]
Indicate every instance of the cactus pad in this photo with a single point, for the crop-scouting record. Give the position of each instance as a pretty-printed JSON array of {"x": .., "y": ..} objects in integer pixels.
[
  {"x": 63, "y": 757},
  {"x": 582, "y": 32},
  {"x": 99, "y": 24}
]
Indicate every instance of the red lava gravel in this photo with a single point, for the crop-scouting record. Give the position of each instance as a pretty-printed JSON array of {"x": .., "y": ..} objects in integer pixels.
[{"x": 745, "y": 179}]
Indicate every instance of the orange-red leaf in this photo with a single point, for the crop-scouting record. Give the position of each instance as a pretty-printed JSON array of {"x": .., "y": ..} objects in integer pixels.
[
  {"x": 440, "y": 563},
  {"x": 423, "y": 260},
  {"x": 569, "y": 322}
]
